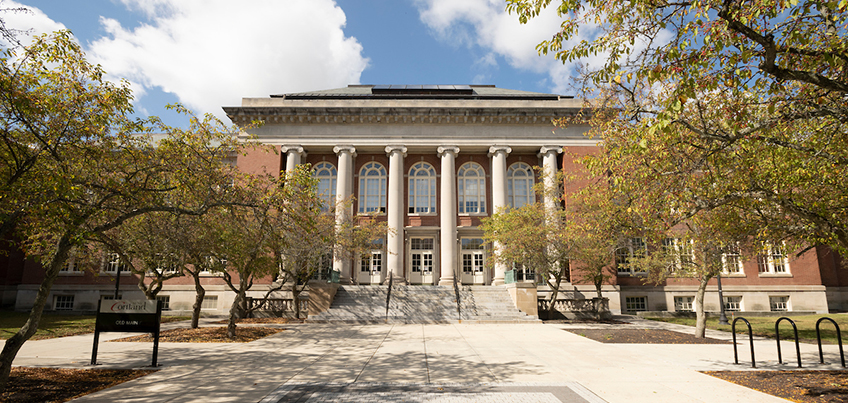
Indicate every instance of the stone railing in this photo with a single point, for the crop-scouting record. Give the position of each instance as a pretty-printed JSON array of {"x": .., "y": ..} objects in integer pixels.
[
  {"x": 276, "y": 306},
  {"x": 595, "y": 308}
]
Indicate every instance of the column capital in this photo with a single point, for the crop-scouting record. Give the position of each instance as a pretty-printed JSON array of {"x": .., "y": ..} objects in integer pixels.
[
  {"x": 442, "y": 150},
  {"x": 396, "y": 149},
  {"x": 548, "y": 149},
  {"x": 292, "y": 148},
  {"x": 344, "y": 149},
  {"x": 499, "y": 149}
]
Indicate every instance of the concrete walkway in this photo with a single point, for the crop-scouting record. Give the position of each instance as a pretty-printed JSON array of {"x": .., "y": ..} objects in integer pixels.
[{"x": 490, "y": 363}]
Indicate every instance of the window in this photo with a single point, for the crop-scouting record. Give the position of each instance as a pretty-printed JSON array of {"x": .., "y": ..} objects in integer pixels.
[
  {"x": 209, "y": 302},
  {"x": 731, "y": 261},
  {"x": 372, "y": 188},
  {"x": 166, "y": 263},
  {"x": 323, "y": 267},
  {"x": 422, "y": 189},
  {"x": 472, "y": 255},
  {"x": 634, "y": 249},
  {"x": 519, "y": 185},
  {"x": 421, "y": 254},
  {"x": 684, "y": 304},
  {"x": 772, "y": 260},
  {"x": 635, "y": 304},
  {"x": 779, "y": 304},
  {"x": 522, "y": 273},
  {"x": 680, "y": 253},
  {"x": 114, "y": 263},
  {"x": 472, "y": 189},
  {"x": 63, "y": 302},
  {"x": 165, "y": 300},
  {"x": 373, "y": 260},
  {"x": 72, "y": 266},
  {"x": 326, "y": 175},
  {"x": 733, "y": 304}
]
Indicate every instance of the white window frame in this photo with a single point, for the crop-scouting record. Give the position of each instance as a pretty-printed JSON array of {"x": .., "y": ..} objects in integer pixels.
[
  {"x": 634, "y": 247},
  {"x": 681, "y": 251},
  {"x": 209, "y": 302},
  {"x": 370, "y": 202},
  {"x": 471, "y": 189},
  {"x": 633, "y": 301},
  {"x": 111, "y": 261},
  {"x": 733, "y": 303},
  {"x": 166, "y": 301},
  {"x": 731, "y": 262},
  {"x": 684, "y": 303},
  {"x": 327, "y": 176},
  {"x": 773, "y": 261},
  {"x": 475, "y": 250},
  {"x": 63, "y": 302},
  {"x": 71, "y": 268},
  {"x": 422, "y": 189},
  {"x": 516, "y": 180},
  {"x": 779, "y": 303}
]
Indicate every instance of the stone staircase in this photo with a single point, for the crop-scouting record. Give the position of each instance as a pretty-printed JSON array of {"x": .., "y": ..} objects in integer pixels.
[{"x": 366, "y": 304}]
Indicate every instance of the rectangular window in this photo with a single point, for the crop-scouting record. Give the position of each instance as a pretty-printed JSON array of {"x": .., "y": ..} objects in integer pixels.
[
  {"x": 209, "y": 302},
  {"x": 63, "y": 302},
  {"x": 679, "y": 252},
  {"x": 684, "y": 304},
  {"x": 165, "y": 300},
  {"x": 634, "y": 248},
  {"x": 732, "y": 261},
  {"x": 772, "y": 260},
  {"x": 733, "y": 304},
  {"x": 635, "y": 304},
  {"x": 416, "y": 262},
  {"x": 114, "y": 263},
  {"x": 779, "y": 304}
]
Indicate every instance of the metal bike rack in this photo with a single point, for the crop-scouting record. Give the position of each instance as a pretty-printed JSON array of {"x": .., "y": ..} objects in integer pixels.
[
  {"x": 777, "y": 336},
  {"x": 750, "y": 337},
  {"x": 838, "y": 338}
]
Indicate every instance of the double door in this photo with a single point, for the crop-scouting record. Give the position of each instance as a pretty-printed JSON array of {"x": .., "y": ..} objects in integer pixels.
[
  {"x": 421, "y": 260},
  {"x": 472, "y": 260}
]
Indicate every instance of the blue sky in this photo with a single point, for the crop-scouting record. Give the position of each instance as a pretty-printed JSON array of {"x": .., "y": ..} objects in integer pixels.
[{"x": 211, "y": 53}]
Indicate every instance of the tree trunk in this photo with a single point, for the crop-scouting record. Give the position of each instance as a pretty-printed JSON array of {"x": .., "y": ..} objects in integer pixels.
[
  {"x": 200, "y": 292},
  {"x": 14, "y": 343},
  {"x": 234, "y": 313},
  {"x": 295, "y": 295},
  {"x": 700, "y": 315},
  {"x": 598, "y": 286}
]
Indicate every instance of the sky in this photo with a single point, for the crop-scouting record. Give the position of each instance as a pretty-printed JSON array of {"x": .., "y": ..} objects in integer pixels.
[{"x": 207, "y": 54}]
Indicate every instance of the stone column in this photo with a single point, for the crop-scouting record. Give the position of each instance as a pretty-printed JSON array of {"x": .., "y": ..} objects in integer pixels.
[
  {"x": 549, "y": 171},
  {"x": 293, "y": 155},
  {"x": 499, "y": 196},
  {"x": 344, "y": 207},
  {"x": 395, "y": 213},
  {"x": 447, "y": 215}
]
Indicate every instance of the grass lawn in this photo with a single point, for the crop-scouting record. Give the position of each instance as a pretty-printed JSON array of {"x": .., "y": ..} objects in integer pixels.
[
  {"x": 764, "y": 326},
  {"x": 55, "y": 325}
]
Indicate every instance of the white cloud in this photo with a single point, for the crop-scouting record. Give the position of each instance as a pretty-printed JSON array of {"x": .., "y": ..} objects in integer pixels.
[
  {"x": 212, "y": 53},
  {"x": 485, "y": 23},
  {"x": 31, "y": 23}
]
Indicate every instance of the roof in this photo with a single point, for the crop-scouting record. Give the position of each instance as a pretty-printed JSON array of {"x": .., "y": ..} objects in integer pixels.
[{"x": 421, "y": 92}]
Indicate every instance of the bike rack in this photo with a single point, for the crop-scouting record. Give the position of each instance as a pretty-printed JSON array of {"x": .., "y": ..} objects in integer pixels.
[
  {"x": 777, "y": 337},
  {"x": 838, "y": 338},
  {"x": 750, "y": 337}
]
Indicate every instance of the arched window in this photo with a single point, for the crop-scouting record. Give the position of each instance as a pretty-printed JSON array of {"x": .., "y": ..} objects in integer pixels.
[
  {"x": 472, "y": 189},
  {"x": 327, "y": 175},
  {"x": 422, "y": 189},
  {"x": 519, "y": 185},
  {"x": 372, "y": 188}
]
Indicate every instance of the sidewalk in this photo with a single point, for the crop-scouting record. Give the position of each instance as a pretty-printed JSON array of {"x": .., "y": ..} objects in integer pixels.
[{"x": 534, "y": 362}]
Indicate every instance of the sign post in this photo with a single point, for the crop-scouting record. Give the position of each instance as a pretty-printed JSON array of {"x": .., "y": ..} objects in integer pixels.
[{"x": 142, "y": 316}]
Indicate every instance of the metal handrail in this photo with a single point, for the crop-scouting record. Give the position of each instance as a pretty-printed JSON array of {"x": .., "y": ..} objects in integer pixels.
[
  {"x": 777, "y": 337},
  {"x": 750, "y": 337},
  {"x": 838, "y": 338},
  {"x": 389, "y": 296}
]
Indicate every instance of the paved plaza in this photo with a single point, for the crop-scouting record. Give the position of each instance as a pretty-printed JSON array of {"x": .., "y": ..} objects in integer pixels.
[{"x": 424, "y": 363}]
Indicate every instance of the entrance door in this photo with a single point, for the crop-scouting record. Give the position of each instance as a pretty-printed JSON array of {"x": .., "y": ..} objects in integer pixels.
[
  {"x": 473, "y": 261},
  {"x": 421, "y": 260},
  {"x": 371, "y": 268}
]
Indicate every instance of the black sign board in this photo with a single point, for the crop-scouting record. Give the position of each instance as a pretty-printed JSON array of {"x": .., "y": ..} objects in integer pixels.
[{"x": 143, "y": 316}]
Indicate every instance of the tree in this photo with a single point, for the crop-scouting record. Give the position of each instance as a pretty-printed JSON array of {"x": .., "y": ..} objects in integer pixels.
[
  {"x": 532, "y": 237},
  {"x": 73, "y": 164},
  {"x": 764, "y": 82}
]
